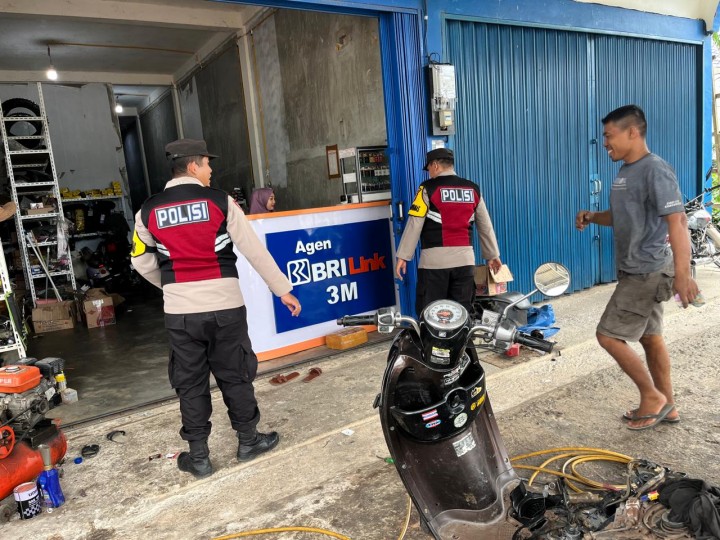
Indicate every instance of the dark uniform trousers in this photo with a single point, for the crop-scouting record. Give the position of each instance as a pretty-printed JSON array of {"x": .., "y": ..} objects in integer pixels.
[
  {"x": 445, "y": 284},
  {"x": 217, "y": 342}
]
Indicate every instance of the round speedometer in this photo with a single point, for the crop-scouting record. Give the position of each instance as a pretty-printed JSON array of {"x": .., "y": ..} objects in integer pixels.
[{"x": 445, "y": 315}]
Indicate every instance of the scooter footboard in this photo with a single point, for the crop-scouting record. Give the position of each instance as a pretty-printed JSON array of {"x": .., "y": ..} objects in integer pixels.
[{"x": 460, "y": 485}]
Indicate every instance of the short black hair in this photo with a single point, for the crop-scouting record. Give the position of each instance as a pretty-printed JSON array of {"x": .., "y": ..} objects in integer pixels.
[
  {"x": 445, "y": 163},
  {"x": 628, "y": 114},
  {"x": 180, "y": 165}
]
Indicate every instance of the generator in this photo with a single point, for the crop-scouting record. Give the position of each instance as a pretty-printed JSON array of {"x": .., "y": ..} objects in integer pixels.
[{"x": 28, "y": 390}]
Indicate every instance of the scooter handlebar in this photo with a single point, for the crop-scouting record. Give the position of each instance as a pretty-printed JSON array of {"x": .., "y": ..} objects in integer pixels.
[
  {"x": 358, "y": 320},
  {"x": 534, "y": 343}
]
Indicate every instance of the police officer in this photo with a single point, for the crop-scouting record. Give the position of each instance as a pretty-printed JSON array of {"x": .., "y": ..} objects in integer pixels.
[
  {"x": 441, "y": 217},
  {"x": 183, "y": 243}
]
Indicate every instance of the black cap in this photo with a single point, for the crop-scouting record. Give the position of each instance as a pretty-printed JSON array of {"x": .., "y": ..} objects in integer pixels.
[
  {"x": 187, "y": 147},
  {"x": 438, "y": 153}
]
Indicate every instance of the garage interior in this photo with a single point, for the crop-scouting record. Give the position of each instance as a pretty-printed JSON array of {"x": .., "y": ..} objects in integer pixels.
[{"x": 268, "y": 89}]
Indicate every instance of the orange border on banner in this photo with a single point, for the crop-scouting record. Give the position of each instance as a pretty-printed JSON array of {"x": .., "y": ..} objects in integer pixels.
[{"x": 340, "y": 207}]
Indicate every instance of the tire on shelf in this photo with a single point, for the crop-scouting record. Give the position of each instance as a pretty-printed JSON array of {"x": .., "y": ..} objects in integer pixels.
[{"x": 19, "y": 108}]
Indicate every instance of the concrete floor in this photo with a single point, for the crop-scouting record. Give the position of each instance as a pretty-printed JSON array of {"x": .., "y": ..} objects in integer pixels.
[
  {"x": 118, "y": 368},
  {"x": 324, "y": 476}
]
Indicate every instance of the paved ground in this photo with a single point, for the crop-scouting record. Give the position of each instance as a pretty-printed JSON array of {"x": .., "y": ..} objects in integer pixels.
[{"x": 325, "y": 476}]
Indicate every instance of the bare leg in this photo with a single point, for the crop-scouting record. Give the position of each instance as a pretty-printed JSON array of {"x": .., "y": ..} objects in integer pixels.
[
  {"x": 658, "y": 361},
  {"x": 651, "y": 399}
]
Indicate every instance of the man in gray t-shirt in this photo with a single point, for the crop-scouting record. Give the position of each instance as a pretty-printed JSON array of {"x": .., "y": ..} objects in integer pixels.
[
  {"x": 646, "y": 210},
  {"x": 643, "y": 192}
]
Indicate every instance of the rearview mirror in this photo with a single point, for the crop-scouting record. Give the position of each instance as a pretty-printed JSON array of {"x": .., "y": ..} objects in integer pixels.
[{"x": 552, "y": 279}]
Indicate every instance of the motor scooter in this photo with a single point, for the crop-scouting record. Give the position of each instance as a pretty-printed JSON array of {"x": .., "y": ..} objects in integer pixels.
[
  {"x": 704, "y": 234},
  {"x": 436, "y": 415}
]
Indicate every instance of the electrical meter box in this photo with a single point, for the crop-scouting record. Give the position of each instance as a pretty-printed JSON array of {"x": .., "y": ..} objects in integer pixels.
[{"x": 441, "y": 86}]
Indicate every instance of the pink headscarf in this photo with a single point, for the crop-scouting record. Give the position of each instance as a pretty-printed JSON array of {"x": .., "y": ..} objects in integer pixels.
[{"x": 259, "y": 200}]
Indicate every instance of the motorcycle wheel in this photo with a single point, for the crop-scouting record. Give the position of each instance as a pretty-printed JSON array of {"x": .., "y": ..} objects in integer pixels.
[{"x": 716, "y": 259}]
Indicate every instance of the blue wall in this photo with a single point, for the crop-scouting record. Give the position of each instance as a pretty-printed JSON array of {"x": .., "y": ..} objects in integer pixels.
[
  {"x": 552, "y": 14},
  {"x": 570, "y": 15}
]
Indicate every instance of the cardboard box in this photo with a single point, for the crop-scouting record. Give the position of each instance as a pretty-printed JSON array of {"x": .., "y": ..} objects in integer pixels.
[
  {"x": 347, "y": 338},
  {"x": 98, "y": 308},
  {"x": 55, "y": 316},
  {"x": 489, "y": 284},
  {"x": 38, "y": 211}
]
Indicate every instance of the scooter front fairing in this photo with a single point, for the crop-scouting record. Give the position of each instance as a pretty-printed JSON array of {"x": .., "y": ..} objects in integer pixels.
[{"x": 441, "y": 432}]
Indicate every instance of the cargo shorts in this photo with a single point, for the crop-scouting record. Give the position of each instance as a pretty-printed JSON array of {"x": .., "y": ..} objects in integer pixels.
[{"x": 635, "y": 308}]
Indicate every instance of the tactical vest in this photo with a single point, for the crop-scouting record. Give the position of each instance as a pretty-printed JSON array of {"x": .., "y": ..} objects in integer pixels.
[
  {"x": 450, "y": 215},
  {"x": 189, "y": 225}
]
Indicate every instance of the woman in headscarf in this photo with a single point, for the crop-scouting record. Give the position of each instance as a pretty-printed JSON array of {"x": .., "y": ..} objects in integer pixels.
[{"x": 262, "y": 201}]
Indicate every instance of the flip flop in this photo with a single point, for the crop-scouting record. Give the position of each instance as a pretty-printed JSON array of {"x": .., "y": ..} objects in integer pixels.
[
  {"x": 314, "y": 372},
  {"x": 627, "y": 417},
  {"x": 282, "y": 379},
  {"x": 657, "y": 418}
]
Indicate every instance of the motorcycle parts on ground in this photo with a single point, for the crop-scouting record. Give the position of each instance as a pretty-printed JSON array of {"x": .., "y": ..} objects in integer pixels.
[
  {"x": 90, "y": 450},
  {"x": 596, "y": 508}
]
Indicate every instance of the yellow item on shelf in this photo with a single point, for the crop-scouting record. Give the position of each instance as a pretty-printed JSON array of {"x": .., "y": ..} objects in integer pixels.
[{"x": 79, "y": 220}]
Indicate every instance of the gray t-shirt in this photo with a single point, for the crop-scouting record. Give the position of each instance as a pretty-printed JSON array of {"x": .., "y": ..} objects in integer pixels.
[{"x": 642, "y": 193}]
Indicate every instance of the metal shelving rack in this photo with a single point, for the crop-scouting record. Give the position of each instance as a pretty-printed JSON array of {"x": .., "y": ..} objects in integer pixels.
[
  {"x": 23, "y": 159},
  {"x": 19, "y": 334},
  {"x": 126, "y": 212},
  {"x": 365, "y": 173}
]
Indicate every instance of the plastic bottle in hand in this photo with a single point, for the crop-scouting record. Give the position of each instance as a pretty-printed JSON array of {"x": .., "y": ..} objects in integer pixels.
[{"x": 698, "y": 301}]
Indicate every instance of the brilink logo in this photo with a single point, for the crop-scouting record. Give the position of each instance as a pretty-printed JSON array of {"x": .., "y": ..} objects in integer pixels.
[{"x": 298, "y": 272}]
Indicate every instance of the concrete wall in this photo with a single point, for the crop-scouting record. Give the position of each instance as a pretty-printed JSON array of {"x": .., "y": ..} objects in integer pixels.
[
  {"x": 134, "y": 159},
  {"x": 320, "y": 84},
  {"x": 224, "y": 122},
  {"x": 158, "y": 128},
  {"x": 190, "y": 110},
  {"x": 84, "y": 135}
]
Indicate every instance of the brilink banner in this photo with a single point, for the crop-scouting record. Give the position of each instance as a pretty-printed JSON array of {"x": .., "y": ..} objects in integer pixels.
[{"x": 335, "y": 271}]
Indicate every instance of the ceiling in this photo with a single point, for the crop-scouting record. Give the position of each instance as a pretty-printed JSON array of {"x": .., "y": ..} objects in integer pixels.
[
  {"x": 24, "y": 41},
  {"x": 139, "y": 46},
  {"x": 136, "y": 96}
]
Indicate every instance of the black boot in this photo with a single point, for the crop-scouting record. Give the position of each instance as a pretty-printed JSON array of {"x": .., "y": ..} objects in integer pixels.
[
  {"x": 253, "y": 444},
  {"x": 197, "y": 460}
]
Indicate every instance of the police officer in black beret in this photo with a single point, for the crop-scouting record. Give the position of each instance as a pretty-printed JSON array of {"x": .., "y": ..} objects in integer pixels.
[
  {"x": 183, "y": 243},
  {"x": 441, "y": 217}
]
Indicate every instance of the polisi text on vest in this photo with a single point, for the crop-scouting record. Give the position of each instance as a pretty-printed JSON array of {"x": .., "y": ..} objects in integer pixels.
[{"x": 182, "y": 214}]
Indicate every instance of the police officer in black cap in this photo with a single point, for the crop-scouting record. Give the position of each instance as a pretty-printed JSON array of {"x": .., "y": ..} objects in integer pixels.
[
  {"x": 441, "y": 217},
  {"x": 183, "y": 243}
]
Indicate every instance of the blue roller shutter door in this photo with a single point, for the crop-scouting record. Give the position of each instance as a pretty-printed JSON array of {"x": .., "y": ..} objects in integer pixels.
[{"x": 528, "y": 132}]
